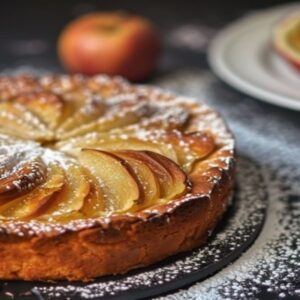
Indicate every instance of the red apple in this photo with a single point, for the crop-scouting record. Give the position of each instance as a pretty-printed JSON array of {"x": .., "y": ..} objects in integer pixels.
[{"x": 110, "y": 43}]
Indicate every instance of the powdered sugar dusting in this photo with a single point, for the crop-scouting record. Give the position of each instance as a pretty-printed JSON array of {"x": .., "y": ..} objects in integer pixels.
[
  {"x": 270, "y": 268},
  {"x": 242, "y": 224},
  {"x": 272, "y": 263}
]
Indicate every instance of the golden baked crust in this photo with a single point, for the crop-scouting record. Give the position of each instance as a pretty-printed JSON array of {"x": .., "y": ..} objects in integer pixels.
[{"x": 65, "y": 211}]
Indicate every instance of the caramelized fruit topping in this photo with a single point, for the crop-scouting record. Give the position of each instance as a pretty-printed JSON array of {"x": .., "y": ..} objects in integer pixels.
[{"x": 87, "y": 148}]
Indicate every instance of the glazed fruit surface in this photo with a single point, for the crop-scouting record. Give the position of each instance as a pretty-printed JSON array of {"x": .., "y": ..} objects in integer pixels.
[{"x": 75, "y": 148}]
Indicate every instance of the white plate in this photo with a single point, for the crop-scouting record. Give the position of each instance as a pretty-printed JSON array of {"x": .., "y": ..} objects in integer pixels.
[{"x": 242, "y": 56}]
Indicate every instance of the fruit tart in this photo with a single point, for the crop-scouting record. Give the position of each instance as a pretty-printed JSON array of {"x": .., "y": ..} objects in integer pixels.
[{"x": 99, "y": 176}]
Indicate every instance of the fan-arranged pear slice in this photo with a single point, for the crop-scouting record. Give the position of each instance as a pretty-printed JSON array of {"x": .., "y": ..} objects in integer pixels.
[
  {"x": 215, "y": 159},
  {"x": 147, "y": 178},
  {"x": 30, "y": 204},
  {"x": 21, "y": 178},
  {"x": 60, "y": 219},
  {"x": 47, "y": 106},
  {"x": 72, "y": 196},
  {"x": 116, "y": 178},
  {"x": 133, "y": 143},
  {"x": 115, "y": 142},
  {"x": 92, "y": 109},
  {"x": 179, "y": 183},
  {"x": 190, "y": 147},
  {"x": 114, "y": 119},
  {"x": 171, "y": 178},
  {"x": 16, "y": 120},
  {"x": 201, "y": 181},
  {"x": 95, "y": 202},
  {"x": 204, "y": 173}
]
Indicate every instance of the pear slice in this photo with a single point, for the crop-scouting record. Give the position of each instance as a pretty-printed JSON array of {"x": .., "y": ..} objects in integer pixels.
[
  {"x": 114, "y": 119},
  {"x": 72, "y": 196},
  {"x": 190, "y": 147},
  {"x": 116, "y": 178},
  {"x": 95, "y": 203},
  {"x": 21, "y": 178},
  {"x": 179, "y": 178},
  {"x": 90, "y": 111},
  {"x": 115, "y": 142},
  {"x": 17, "y": 121},
  {"x": 172, "y": 179},
  {"x": 29, "y": 205},
  {"x": 147, "y": 178},
  {"x": 47, "y": 106},
  {"x": 60, "y": 219}
]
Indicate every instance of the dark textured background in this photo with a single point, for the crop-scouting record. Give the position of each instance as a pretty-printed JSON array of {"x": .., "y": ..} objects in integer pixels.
[
  {"x": 29, "y": 30},
  {"x": 31, "y": 20}
]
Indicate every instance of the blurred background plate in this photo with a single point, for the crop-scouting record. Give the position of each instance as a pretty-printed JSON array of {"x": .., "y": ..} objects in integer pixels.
[{"x": 243, "y": 57}]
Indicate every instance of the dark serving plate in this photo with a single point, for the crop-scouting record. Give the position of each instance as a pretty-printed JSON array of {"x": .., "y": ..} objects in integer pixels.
[{"x": 239, "y": 228}]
